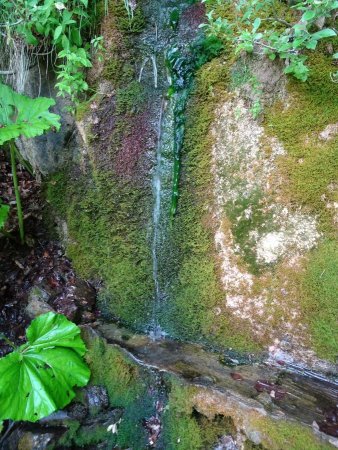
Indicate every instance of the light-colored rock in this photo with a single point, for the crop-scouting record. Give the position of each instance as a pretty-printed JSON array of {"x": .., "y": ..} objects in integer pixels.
[
  {"x": 248, "y": 183},
  {"x": 36, "y": 308},
  {"x": 329, "y": 132},
  {"x": 35, "y": 441},
  {"x": 37, "y": 302}
]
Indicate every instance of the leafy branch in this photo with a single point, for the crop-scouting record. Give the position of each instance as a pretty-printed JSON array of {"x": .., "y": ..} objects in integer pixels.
[
  {"x": 23, "y": 116},
  {"x": 56, "y": 24},
  {"x": 283, "y": 39}
]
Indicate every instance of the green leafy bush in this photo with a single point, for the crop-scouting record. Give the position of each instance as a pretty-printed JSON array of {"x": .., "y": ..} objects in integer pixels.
[
  {"x": 247, "y": 30},
  {"x": 24, "y": 116},
  {"x": 38, "y": 377},
  {"x": 59, "y": 25}
]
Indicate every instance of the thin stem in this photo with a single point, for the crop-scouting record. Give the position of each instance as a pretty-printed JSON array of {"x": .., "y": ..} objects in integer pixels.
[
  {"x": 8, "y": 341},
  {"x": 17, "y": 191}
]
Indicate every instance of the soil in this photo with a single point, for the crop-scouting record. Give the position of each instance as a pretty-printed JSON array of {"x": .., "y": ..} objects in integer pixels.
[{"x": 40, "y": 263}]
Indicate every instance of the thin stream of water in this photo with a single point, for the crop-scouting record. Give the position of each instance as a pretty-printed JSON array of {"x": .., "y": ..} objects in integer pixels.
[{"x": 155, "y": 328}]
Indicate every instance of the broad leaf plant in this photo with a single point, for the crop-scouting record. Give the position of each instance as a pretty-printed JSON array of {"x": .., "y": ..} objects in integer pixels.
[
  {"x": 23, "y": 116},
  {"x": 39, "y": 377}
]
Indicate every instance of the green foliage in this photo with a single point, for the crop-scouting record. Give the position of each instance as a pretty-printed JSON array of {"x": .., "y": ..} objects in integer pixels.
[
  {"x": 24, "y": 116},
  {"x": 246, "y": 30},
  {"x": 58, "y": 24},
  {"x": 4, "y": 211},
  {"x": 38, "y": 377}
]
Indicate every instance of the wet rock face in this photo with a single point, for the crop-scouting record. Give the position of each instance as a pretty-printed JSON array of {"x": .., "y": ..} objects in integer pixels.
[
  {"x": 226, "y": 443},
  {"x": 48, "y": 153},
  {"x": 31, "y": 441},
  {"x": 96, "y": 398},
  {"x": 262, "y": 240},
  {"x": 75, "y": 299},
  {"x": 20, "y": 439},
  {"x": 330, "y": 424}
]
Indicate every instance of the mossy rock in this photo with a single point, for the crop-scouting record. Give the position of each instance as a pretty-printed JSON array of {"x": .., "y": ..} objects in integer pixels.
[{"x": 108, "y": 240}]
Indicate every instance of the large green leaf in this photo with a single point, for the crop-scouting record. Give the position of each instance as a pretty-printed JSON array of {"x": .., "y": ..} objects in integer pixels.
[
  {"x": 38, "y": 377},
  {"x": 24, "y": 116}
]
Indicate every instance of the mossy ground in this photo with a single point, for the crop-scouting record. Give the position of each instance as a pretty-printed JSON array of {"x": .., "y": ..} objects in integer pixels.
[
  {"x": 128, "y": 388},
  {"x": 136, "y": 390},
  {"x": 186, "y": 429},
  {"x": 319, "y": 298},
  {"x": 280, "y": 435}
]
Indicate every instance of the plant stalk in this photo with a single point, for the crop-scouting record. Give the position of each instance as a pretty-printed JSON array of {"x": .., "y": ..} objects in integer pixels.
[
  {"x": 8, "y": 341},
  {"x": 17, "y": 191}
]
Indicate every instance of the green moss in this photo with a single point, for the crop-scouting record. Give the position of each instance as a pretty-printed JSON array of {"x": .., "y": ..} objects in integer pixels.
[
  {"x": 67, "y": 439},
  {"x": 196, "y": 288},
  {"x": 319, "y": 302},
  {"x": 108, "y": 240},
  {"x": 110, "y": 368},
  {"x": 242, "y": 224},
  {"x": 130, "y": 99},
  {"x": 127, "y": 24},
  {"x": 107, "y": 213},
  {"x": 128, "y": 387},
  {"x": 185, "y": 428},
  {"x": 119, "y": 60},
  {"x": 91, "y": 436},
  {"x": 280, "y": 435},
  {"x": 311, "y": 165},
  {"x": 117, "y": 71},
  {"x": 82, "y": 435}
]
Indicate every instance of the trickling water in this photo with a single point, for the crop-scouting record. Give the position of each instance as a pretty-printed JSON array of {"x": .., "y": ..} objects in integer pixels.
[
  {"x": 156, "y": 331},
  {"x": 153, "y": 59},
  {"x": 142, "y": 69},
  {"x": 166, "y": 49}
]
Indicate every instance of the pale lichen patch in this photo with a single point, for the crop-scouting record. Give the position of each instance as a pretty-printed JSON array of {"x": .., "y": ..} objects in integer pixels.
[
  {"x": 329, "y": 132},
  {"x": 261, "y": 239}
]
